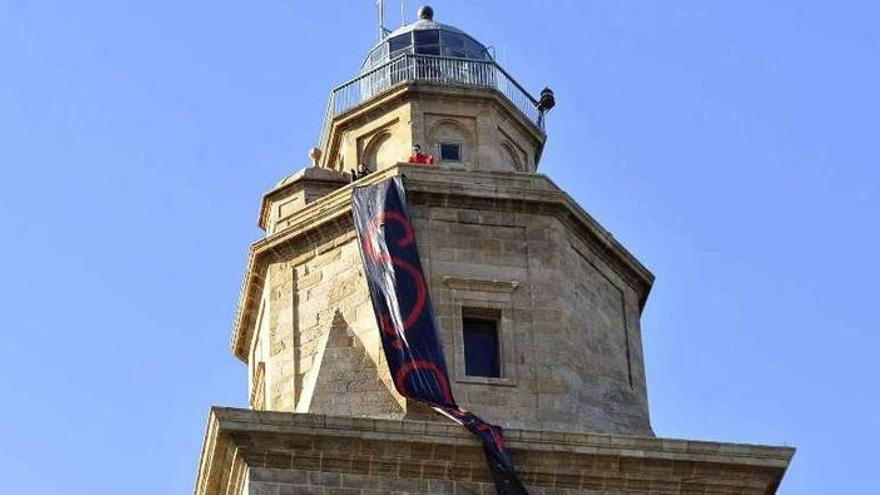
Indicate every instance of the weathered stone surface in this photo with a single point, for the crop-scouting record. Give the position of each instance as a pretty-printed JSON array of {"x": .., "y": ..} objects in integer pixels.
[
  {"x": 492, "y": 134},
  {"x": 283, "y": 453},
  {"x": 497, "y": 240},
  {"x": 567, "y": 298}
]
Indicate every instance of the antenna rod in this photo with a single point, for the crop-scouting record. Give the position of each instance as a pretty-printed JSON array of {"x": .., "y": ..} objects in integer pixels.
[{"x": 380, "y": 5}]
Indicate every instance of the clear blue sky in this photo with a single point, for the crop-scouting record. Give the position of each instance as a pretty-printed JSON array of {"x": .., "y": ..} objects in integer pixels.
[{"x": 732, "y": 146}]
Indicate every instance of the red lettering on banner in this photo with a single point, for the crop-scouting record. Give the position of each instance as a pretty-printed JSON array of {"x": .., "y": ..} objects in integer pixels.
[
  {"x": 419, "y": 281},
  {"x": 406, "y": 369}
]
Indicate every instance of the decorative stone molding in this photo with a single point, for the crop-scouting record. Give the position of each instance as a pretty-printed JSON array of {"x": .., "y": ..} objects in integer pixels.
[
  {"x": 287, "y": 452},
  {"x": 480, "y": 285}
]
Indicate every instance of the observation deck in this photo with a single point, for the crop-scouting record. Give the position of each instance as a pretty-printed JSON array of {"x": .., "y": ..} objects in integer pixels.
[{"x": 431, "y": 52}]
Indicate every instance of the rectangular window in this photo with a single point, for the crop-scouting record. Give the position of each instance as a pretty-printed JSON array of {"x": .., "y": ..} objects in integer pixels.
[
  {"x": 452, "y": 40},
  {"x": 427, "y": 41},
  {"x": 398, "y": 43},
  {"x": 450, "y": 152},
  {"x": 427, "y": 37},
  {"x": 428, "y": 49},
  {"x": 481, "y": 351}
]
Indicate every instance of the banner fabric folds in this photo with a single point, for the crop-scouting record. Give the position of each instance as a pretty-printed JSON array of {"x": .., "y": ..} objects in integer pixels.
[{"x": 405, "y": 318}]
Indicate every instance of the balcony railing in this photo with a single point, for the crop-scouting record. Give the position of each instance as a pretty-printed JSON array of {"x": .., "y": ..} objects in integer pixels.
[{"x": 439, "y": 70}]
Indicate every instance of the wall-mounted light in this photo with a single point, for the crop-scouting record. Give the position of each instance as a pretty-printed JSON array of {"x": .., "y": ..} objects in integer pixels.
[
  {"x": 547, "y": 100},
  {"x": 545, "y": 103}
]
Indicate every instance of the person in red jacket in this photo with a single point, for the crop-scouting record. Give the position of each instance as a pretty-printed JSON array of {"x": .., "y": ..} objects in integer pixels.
[{"x": 419, "y": 157}]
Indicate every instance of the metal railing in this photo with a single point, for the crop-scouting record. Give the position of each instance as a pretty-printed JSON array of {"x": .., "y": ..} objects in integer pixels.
[{"x": 440, "y": 70}]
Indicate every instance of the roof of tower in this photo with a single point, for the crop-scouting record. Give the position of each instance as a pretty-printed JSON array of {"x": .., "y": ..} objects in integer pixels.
[
  {"x": 424, "y": 24},
  {"x": 426, "y": 36}
]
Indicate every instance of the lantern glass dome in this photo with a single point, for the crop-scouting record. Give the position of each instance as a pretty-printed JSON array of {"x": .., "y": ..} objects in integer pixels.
[{"x": 426, "y": 37}]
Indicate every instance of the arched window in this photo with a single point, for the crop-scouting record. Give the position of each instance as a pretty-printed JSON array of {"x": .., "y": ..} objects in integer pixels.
[
  {"x": 512, "y": 156},
  {"x": 378, "y": 152},
  {"x": 450, "y": 141}
]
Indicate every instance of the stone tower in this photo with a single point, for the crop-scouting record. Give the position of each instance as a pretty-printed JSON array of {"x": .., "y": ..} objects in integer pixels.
[{"x": 538, "y": 308}]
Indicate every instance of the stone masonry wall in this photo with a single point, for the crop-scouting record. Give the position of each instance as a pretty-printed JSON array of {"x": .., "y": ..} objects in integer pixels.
[
  {"x": 568, "y": 322},
  {"x": 270, "y": 453},
  {"x": 325, "y": 354},
  {"x": 571, "y": 348}
]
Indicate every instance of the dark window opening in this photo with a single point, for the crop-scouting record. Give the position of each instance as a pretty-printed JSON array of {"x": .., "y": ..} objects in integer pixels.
[
  {"x": 453, "y": 40},
  {"x": 481, "y": 353},
  {"x": 477, "y": 50},
  {"x": 450, "y": 152},
  {"x": 399, "y": 42},
  {"x": 427, "y": 41},
  {"x": 454, "y": 52},
  {"x": 428, "y": 49},
  {"x": 427, "y": 37}
]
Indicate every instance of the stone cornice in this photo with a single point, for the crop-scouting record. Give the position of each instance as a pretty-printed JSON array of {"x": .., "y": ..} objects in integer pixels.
[
  {"x": 540, "y": 194},
  {"x": 480, "y": 285},
  {"x": 495, "y": 190},
  {"x": 239, "y": 436},
  {"x": 314, "y": 175}
]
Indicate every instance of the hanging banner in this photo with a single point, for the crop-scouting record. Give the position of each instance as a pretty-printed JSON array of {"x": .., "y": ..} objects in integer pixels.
[{"x": 405, "y": 318}]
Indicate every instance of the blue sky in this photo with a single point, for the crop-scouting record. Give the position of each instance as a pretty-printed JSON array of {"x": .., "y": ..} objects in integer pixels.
[{"x": 732, "y": 146}]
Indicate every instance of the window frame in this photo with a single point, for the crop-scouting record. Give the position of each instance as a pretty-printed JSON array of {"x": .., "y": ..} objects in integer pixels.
[
  {"x": 484, "y": 316},
  {"x": 440, "y": 146},
  {"x": 475, "y": 295},
  {"x": 401, "y": 46}
]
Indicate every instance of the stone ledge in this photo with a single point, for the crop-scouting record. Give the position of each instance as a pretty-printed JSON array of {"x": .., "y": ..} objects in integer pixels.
[
  {"x": 480, "y": 285},
  {"x": 295, "y": 442},
  {"x": 307, "y": 174}
]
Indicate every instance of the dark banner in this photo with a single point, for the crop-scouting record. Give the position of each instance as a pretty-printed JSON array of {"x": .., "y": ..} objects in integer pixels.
[{"x": 405, "y": 318}]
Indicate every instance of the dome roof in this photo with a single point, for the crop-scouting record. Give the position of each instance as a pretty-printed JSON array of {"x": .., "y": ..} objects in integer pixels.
[
  {"x": 424, "y": 24},
  {"x": 426, "y": 37}
]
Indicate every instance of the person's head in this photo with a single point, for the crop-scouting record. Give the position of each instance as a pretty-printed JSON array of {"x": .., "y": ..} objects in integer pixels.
[{"x": 417, "y": 149}]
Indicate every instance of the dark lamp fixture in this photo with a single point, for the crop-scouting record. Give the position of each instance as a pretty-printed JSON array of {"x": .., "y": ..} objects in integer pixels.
[{"x": 546, "y": 101}]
